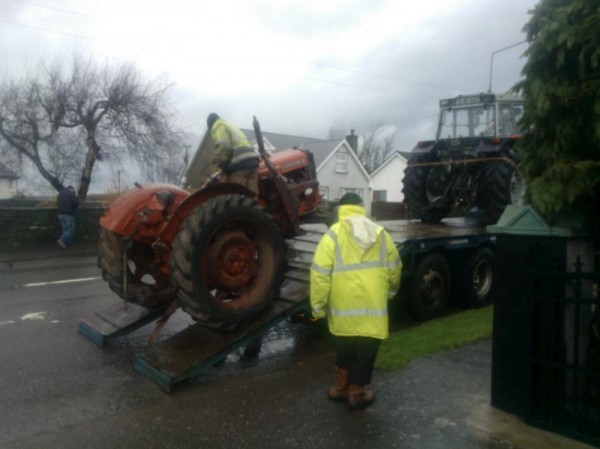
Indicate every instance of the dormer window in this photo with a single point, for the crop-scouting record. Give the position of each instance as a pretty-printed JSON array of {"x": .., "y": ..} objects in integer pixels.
[{"x": 341, "y": 161}]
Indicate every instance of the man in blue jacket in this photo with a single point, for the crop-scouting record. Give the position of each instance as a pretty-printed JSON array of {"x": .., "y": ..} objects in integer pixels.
[{"x": 67, "y": 206}]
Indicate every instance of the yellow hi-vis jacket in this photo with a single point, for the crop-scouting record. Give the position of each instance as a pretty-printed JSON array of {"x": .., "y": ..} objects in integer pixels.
[
  {"x": 231, "y": 144},
  {"x": 355, "y": 270}
]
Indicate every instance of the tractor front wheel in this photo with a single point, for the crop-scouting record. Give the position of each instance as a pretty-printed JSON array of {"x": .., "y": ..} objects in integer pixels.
[{"x": 131, "y": 271}]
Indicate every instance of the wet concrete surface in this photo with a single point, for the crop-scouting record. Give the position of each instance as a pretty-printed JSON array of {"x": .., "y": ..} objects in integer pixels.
[
  {"x": 279, "y": 401},
  {"x": 58, "y": 390}
]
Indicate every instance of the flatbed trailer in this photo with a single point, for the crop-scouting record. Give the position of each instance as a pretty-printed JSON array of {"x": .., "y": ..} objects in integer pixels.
[
  {"x": 433, "y": 256},
  {"x": 437, "y": 259}
]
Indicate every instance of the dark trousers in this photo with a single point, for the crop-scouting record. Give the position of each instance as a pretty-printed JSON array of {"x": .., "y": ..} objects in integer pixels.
[
  {"x": 357, "y": 355},
  {"x": 246, "y": 178}
]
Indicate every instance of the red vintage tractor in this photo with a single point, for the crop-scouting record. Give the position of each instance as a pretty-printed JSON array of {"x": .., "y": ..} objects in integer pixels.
[{"x": 214, "y": 248}]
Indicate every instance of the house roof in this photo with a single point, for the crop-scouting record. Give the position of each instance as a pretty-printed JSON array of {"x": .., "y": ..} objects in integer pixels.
[
  {"x": 396, "y": 155},
  {"x": 344, "y": 143},
  {"x": 283, "y": 141},
  {"x": 320, "y": 148},
  {"x": 5, "y": 172}
]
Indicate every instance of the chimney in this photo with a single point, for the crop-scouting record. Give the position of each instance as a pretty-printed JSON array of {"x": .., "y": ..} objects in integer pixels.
[{"x": 352, "y": 140}]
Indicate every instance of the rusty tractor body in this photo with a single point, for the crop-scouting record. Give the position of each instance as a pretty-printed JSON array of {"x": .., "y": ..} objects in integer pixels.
[{"x": 213, "y": 248}]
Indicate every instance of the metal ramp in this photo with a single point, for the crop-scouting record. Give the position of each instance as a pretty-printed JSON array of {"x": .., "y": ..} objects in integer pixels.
[
  {"x": 198, "y": 347},
  {"x": 116, "y": 321}
]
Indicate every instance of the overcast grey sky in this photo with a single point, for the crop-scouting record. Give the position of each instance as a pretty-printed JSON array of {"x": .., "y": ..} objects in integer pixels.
[{"x": 300, "y": 66}]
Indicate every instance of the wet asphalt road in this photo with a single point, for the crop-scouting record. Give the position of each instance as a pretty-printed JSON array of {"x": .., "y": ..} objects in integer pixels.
[{"x": 58, "y": 390}]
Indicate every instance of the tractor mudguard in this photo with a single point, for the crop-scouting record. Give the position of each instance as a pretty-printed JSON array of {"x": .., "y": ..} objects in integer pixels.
[
  {"x": 142, "y": 210},
  {"x": 195, "y": 200}
]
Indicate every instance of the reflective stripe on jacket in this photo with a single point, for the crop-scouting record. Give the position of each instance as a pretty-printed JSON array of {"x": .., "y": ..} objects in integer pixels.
[
  {"x": 355, "y": 271},
  {"x": 233, "y": 147}
]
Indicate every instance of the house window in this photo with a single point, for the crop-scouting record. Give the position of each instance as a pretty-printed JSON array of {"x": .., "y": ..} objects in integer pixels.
[
  {"x": 341, "y": 162},
  {"x": 379, "y": 196},
  {"x": 324, "y": 191},
  {"x": 344, "y": 190}
]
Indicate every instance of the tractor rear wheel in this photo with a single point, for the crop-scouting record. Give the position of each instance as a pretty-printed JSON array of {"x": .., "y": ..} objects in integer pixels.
[
  {"x": 227, "y": 261},
  {"x": 128, "y": 268},
  {"x": 502, "y": 185},
  {"x": 424, "y": 185}
]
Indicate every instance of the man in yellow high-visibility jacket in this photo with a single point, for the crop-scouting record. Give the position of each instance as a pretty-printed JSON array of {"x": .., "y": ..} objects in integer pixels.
[
  {"x": 235, "y": 156},
  {"x": 355, "y": 271}
]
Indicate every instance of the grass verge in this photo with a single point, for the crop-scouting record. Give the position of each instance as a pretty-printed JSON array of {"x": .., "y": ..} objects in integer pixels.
[{"x": 433, "y": 336}]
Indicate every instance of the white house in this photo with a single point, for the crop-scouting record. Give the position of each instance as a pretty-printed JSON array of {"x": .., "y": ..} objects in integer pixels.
[
  {"x": 387, "y": 179},
  {"x": 8, "y": 182},
  {"x": 339, "y": 170}
]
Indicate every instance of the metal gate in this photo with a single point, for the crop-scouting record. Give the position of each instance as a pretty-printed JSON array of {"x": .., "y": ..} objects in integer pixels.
[{"x": 565, "y": 345}]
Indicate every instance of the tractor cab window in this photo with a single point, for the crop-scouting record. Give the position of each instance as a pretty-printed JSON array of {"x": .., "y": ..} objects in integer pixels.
[
  {"x": 510, "y": 114},
  {"x": 483, "y": 121},
  {"x": 467, "y": 122}
]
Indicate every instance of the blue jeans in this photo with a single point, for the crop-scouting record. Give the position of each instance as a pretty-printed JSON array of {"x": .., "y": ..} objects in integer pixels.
[{"x": 67, "y": 224}]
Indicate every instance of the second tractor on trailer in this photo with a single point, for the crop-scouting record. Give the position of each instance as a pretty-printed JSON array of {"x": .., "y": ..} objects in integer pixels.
[{"x": 473, "y": 161}]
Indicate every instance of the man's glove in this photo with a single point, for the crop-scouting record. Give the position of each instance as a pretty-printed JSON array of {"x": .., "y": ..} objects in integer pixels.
[{"x": 306, "y": 315}]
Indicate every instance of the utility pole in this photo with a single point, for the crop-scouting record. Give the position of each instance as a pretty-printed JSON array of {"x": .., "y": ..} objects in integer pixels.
[{"x": 492, "y": 60}]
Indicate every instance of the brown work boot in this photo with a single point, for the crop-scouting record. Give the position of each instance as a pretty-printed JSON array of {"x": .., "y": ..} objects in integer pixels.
[
  {"x": 339, "y": 392},
  {"x": 359, "y": 398}
]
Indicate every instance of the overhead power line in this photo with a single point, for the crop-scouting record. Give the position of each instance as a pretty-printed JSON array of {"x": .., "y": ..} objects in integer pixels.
[
  {"x": 66, "y": 11},
  {"x": 322, "y": 65},
  {"x": 356, "y": 86},
  {"x": 374, "y": 75},
  {"x": 342, "y": 69},
  {"x": 64, "y": 33}
]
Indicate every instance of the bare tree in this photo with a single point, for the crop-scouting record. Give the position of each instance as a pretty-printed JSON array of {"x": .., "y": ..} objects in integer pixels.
[
  {"x": 377, "y": 145},
  {"x": 337, "y": 132},
  {"x": 65, "y": 119}
]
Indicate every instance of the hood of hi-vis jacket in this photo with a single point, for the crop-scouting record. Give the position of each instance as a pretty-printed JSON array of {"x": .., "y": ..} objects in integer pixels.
[
  {"x": 355, "y": 270},
  {"x": 362, "y": 230}
]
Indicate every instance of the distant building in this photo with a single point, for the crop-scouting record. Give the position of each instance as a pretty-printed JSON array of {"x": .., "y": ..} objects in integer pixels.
[
  {"x": 388, "y": 178},
  {"x": 8, "y": 182}
]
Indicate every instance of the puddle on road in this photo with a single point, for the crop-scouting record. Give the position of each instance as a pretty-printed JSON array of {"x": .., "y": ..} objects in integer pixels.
[{"x": 280, "y": 341}]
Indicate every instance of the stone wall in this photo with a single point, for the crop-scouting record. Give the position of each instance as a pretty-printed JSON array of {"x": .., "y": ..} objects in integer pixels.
[{"x": 28, "y": 227}]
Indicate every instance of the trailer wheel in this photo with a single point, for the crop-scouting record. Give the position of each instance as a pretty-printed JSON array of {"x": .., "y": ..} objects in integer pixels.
[
  {"x": 430, "y": 287},
  {"x": 423, "y": 185},
  {"x": 502, "y": 185},
  {"x": 227, "y": 261},
  {"x": 478, "y": 276},
  {"x": 127, "y": 267}
]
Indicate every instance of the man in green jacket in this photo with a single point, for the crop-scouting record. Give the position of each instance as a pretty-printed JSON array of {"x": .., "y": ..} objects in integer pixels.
[
  {"x": 235, "y": 156},
  {"x": 355, "y": 271}
]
